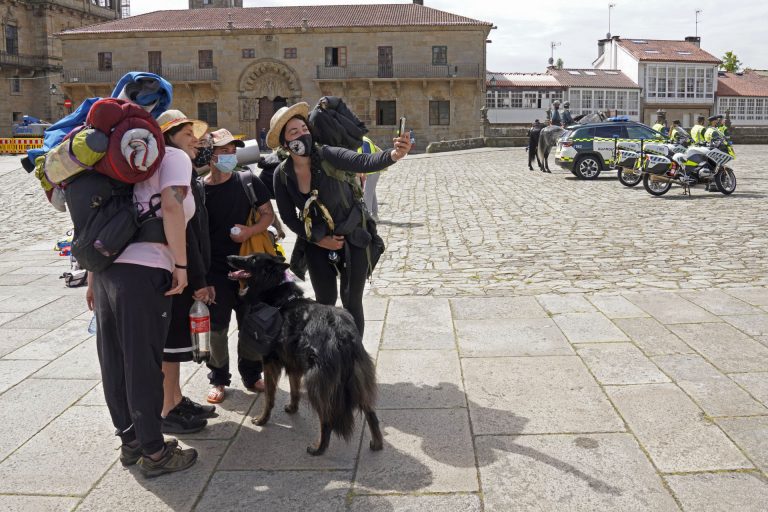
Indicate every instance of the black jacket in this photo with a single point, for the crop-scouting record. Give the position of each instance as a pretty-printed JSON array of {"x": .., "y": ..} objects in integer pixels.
[
  {"x": 198, "y": 242},
  {"x": 337, "y": 196}
]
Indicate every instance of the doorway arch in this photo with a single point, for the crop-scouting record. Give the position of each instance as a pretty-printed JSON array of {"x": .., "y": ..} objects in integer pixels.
[{"x": 265, "y": 86}]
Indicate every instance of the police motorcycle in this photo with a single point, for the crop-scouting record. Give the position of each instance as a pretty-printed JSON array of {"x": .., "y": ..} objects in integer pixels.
[
  {"x": 688, "y": 167},
  {"x": 631, "y": 161}
]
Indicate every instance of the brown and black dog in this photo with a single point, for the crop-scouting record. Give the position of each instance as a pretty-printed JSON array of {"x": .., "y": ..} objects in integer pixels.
[{"x": 318, "y": 343}]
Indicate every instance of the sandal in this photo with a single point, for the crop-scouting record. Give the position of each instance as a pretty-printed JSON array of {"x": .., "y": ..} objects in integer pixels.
[{"x": 215, "y": 395}]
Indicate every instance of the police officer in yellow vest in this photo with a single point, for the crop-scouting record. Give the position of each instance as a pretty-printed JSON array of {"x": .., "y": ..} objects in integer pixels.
[
  {"x": 371, "y": 179},
  {"x": 714, "y": 121},
  {"x": 697, "y": 132},
  {"x": 674, "y": 131}
]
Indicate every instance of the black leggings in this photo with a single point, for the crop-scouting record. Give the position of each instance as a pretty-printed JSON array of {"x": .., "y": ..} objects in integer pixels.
[{"x": 353, "y": 274}]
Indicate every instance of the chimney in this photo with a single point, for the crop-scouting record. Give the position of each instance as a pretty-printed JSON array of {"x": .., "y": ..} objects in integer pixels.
[
  {"x": 694, "y": 39},
  {"x": 418, "y": 2},
  {"x": 600, "y": 47}
]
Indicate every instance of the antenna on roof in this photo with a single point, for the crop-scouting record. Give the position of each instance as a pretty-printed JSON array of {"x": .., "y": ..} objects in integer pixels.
[
  {"x": 552, "y": 46},
  {"x": 610, "y": 6},
  {"x": 696, "y": 32}
]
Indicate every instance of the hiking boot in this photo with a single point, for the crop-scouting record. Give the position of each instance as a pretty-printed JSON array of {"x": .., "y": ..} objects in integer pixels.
[
  {"x": 130, "y": 456},
  {"x": 181, "y": 422},
  {"x": 173, "y": 459},
  {"x": 195, "y": 409}
]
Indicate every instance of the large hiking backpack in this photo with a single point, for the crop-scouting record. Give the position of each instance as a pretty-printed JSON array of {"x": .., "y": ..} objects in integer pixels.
[{"x": 336, "y": 125}]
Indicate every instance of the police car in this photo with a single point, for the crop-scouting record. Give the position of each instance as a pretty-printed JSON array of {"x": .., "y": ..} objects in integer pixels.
[{"x": 588, "y": 149}]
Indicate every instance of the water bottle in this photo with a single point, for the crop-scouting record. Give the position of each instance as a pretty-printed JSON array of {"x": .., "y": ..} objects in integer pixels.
[
  {"x": 200, "y": 330},
  {"x": 92, "y": 325},
  {"x": 234, "y": 231}
]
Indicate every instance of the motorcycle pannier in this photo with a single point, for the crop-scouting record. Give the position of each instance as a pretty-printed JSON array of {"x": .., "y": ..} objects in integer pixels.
[{"x": 657, "y": 164}]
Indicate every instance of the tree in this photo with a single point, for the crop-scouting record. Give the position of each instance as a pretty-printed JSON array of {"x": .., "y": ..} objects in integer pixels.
[
  {"x": 731, "y": 62},
  {"x": 559, "y": 64}
]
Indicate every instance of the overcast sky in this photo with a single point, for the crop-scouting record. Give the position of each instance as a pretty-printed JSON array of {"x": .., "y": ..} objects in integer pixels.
[{"x": 526, "y": 28}]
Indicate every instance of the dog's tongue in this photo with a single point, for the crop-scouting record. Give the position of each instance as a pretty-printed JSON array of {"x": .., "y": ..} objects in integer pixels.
[{"x": 239, "y": 274}]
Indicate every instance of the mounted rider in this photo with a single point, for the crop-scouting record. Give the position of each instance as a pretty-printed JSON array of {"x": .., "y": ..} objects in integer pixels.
[{"x": 567, "y": 117}]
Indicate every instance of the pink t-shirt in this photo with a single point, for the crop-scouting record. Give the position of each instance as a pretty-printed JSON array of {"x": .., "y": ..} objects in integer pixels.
[{"x": 175, "y": 171}]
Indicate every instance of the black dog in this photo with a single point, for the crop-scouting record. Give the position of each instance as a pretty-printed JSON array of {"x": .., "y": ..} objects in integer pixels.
[{"x": 317, "y": 342}]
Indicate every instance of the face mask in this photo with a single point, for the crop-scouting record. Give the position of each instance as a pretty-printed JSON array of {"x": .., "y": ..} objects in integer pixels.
[
  {"x": 226, "y": 163},
  {"x": 203, "y": 157},
  {"x": 301, "y": 146}
]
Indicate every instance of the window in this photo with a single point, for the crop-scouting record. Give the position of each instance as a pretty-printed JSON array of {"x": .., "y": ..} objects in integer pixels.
[
  {"x": 11, "y": 40},
  {"x": 599, "y": 97},
  {"x": 637, "y": 132},
  {"x": 386, "y": 113},
  {"x": 290, "y": 53},
  {"x": 18, "y": 117},
  {"x": 608, "y": 132},
  {"x": 15, "y": 85},
  {"x": 205, "y": 59},
  {"x": 105, "y": 61},
  {"x": 249, "y": 53},
  {"x": 155, "y": 61},
  {"x": 439, "y": 55},
  {"x": 335, "y": 56},
  {"x": 208, "y": 112},
  {"x": 516, "y": 99},
  {"x": 490, "y": 99},
  {"x": 440, "y": 113}
]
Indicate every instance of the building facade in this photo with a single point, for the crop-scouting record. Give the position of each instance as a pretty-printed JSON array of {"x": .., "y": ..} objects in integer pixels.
[
  {"x": 520, "y": 98},
  {"x": 233, "y": 67},
  {"x": 31, "y": 57},
  {"x": 744, "y": 97},
  {"x": 676, "y": 76}
]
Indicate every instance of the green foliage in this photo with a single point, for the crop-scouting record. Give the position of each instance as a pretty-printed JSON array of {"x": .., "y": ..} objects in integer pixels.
[
  {"x": 731, "y": 62},
  {"x": 559, "y": 64}
]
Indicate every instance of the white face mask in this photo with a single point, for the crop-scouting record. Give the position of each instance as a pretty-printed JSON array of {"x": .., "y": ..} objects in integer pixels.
[{"x": 226, "y": 163}]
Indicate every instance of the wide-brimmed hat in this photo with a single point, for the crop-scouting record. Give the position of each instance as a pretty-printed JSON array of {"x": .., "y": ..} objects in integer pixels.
[
  {"x": 222, "y": 137},
  {"x": 279, "y": 120},
  {"x": 171, "y": 118}
]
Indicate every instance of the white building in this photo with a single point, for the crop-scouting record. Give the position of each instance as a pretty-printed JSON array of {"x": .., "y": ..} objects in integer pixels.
[
  {"x": 745, "y": 96},
  {"x": 600, "y": 90},
  {"x": 675, "y": 76}
]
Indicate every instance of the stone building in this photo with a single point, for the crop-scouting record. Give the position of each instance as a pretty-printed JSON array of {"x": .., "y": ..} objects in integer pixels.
[
  {"x": 233, "y": 67},
  {"x": 30, "y": 55}
]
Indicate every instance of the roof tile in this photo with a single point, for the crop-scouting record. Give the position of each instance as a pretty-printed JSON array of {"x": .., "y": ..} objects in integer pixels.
[
  {"x": 749, "y": 83},
  {"x": 610, "y": 78},
  {"x": 664, "y": 50}
]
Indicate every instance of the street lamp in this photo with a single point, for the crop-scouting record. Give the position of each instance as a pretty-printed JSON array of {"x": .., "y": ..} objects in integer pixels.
[{"x": 492, "y": 82}]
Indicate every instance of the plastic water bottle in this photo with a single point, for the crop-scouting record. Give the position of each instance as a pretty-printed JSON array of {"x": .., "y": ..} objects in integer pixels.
[
  {"x": 200, "y": 330},
  {"x": 234, "y": 231},
  {"x": 92, "y": 325}
]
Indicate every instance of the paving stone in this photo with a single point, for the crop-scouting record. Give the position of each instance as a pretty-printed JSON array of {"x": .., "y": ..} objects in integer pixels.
[
  {"x": 418, "y": 323},
  {"x": 754, "y": 325},
  {"x": 419, "y": 379},
  {"x": 519, "y": 337},
  {"x": 619, "y": 363},
  {"x": 38, "y": 402},
  {"x": 536, "y": 395},
  {"x": 94, "y": 397},
  {"x": 372, "y": 336},
  {"x": 55, "y": 343},
  {"x": 720, "y": 492},
  {"x": 424, "y": 451},
  {"x": 569, "y": 303},
  {"x": 25, "y": 304},
  {"x": 8, "y": 279},
  {"x": 755, "y": 383},
  {"x": 718, "y": 302},
  {"x": 727, "y": 348},
  {"x": 714, "y": 392},
  {"x": 652, "y": 337},
  {"x": 51, "y": 315},
  {"x": 13, "y": 372},
  {"x": 673, "y": 429},
  {"x": 616, "y": 306},
  {"x": 318, "y": 491},
  {"x": 485, "y": 308},
  {"x": 669, "y": 308},
  {"x": 588, "y": 328},
  {"x": 37, "y": 504},
  {"x": 424, "y": 503},
  {"x": 375, "y": 308},
  {"x": 82, "y": 362},
  {"x": 594, "y": 472},
  {"x": 126, "y": 488},
  {"x": 7, "y": 317},
  {"x": 11, "y": 339},
  {"x": 751, "y": 435},
  {"x": 80, "y": 444},
  {"x": 754, "y": 296}
]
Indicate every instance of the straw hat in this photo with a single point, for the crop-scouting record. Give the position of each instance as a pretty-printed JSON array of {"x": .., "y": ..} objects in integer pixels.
[
  {"x": 171, "y": 118},
  {"x": 281, "y": 117}
]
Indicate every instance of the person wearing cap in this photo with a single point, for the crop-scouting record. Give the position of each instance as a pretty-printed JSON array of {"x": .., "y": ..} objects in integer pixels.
[
  {"x": 714, "y": 121},
  {"x": 697, "y": 131},
  {"x": 324, "y": 209},
  {"x": 675, "y": 128},
  {"x": 228, "y": 210},
  {"x": 567, "y": 117},
  {"x": 132, "y": 300}
]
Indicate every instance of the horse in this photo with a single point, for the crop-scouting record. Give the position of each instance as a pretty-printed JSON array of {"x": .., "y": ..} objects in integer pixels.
[{"x": 547, "y": 140}]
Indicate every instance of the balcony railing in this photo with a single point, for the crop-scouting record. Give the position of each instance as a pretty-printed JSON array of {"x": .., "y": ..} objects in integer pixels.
[
  {"x": 172, "y": 73},
  {"x": 25, "y": 61},
  {"x": 395, "y": 71}
]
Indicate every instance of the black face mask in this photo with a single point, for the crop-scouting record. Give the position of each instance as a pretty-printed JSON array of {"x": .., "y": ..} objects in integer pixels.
[
  {"x": 203, "y": 157},
  {"x": 301, "y": 146}
]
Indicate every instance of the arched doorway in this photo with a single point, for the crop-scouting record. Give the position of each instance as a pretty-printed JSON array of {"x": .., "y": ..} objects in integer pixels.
[{"x": 265, "y": 86}]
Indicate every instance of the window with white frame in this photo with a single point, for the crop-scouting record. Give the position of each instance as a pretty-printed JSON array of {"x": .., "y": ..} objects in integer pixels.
[
  {"x": 587, "y": 101},
  {"x": 744, "y": 109},
  {"x": 679, "y": 81}
]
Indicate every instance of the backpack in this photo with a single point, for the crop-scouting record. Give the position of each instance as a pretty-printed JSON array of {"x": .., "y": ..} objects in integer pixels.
[{"x": 336, "y": 125}]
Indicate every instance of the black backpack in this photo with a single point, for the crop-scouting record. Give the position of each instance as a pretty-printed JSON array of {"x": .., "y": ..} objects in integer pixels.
[
  {"x": 336, "y": 125},
  {"x": 106, "y": 219}
]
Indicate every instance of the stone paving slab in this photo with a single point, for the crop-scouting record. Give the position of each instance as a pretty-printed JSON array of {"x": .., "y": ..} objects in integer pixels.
[
  {"x": 496, "y": 308},
  {"x": 82, "y": 362},
  {"x": 419, "y": 379},
  {"x": 720, "y": 303},
  {"x": 419, "y": 323},
  {"x": 669, "y": 308},
  {"x": 519, "y": 337},
  {"x": 588, "y": 328},
  {"x": 37, "y": 504},
  {"x": 754, "y": 325},
  {"x": 619, "y": 363},
  {"x": 673, "y": 430},
  {"x": 755, "y": 383},
  {"x": 441, "y": 502},
  {"x": 652, "y": 337},
  {"x": 751, "y": 434},
  {"x": 756, "y": 296},
  {"x": 54, "y": 343},
  {"x": 596, "y": 472},
  {"x": 719, "y": 492},
  {"x": 727, "y": 348},
  {"x": 616, "y": 306},
  {"x": 13, "y": 372}
]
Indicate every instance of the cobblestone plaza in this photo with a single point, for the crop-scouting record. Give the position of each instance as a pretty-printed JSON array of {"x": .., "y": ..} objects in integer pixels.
[{"x": 542, "y": 343}]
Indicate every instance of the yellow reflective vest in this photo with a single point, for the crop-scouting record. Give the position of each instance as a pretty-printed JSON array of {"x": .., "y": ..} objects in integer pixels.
[
  {"x": 697, "y": 133},
  {"x": 708, "y": 133}
]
